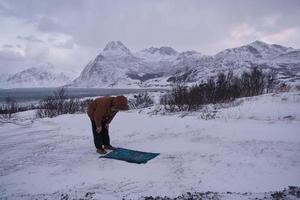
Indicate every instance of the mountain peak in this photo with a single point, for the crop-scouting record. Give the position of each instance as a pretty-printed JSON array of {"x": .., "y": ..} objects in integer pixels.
[
  {"x": 269, "y": 50},
  {"x": 162, "y": 50},
  {"x": 40, "y": 75},
  {"x": 167, "y": 51},
  {"x": 258, "y": 42},
  {"x": 116, "y": 46},
  {"x": 260, "y": 45}
]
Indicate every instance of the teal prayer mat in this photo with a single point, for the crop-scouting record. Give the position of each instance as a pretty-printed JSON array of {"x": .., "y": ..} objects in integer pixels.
[{"x": 131, "y": 156}]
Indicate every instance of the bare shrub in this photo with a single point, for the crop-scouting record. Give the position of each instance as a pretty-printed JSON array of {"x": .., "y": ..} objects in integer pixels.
[
  {"x": 142, "y": 100},
  {"x": 208, "y": 114},
  {"x": 271, "y": 81},
  {"x": 59, "y": 104},
  {"x": 224, "y": 88},
  {"x": 9, "y": 108},
  {"x": 176, "y": 99}
]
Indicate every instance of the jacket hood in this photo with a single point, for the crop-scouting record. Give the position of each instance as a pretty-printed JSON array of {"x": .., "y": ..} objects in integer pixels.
[{"x": 120, "y": 103}]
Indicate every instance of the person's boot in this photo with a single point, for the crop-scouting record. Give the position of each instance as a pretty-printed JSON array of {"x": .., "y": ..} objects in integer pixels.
[
  {"x": 101, "y": 151},
  {"x": 109, "y": 147}
]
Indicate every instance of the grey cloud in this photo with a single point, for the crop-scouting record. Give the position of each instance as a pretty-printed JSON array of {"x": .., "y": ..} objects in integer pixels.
[
  {"x": 11, "y": 61},
  {"x": 30, "y": 38},
  {"x": 8, "y": 46},
  {"x": 9, "y": 55},
  {"x": 47, "y": 24},
  {"x": 140, "y": 23},
  {"x": 11, "y": 46},
  {"x": 69, "y": 44}
]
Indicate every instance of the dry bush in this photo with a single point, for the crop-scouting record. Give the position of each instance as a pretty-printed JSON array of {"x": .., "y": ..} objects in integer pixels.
[
  {"x": 223, "y": 89},
  {"x": 59, "y": 104},
  {"x": 8, "y": 109},
  {"x": 142, "y": 100}
]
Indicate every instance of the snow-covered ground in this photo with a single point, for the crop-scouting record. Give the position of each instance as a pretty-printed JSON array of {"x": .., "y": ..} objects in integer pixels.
[{"x": 251, "y": 146}]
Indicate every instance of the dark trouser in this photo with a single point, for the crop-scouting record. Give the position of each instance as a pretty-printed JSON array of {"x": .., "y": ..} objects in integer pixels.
[{"x": 101, "y": 138}]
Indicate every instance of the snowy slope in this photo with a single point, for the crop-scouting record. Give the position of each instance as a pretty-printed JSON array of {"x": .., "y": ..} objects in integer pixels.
[
  {"x": 253, "y": 146},
  {"x": 109, "y": 68},
  {"x": 289, "y": 57},
  {"x": 158, "y": 60},
  {"x": 117, "y": 66},
  {"x": 284, "y": 61},
  {"x": 42, "y": 75},
  {"x": 154, "y": 54},
  {"x": 253, "y": 52}
]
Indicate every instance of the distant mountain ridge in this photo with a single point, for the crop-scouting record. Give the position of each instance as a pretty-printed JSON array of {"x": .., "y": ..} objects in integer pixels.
[
  {"x": 42, "y": 75},
  {"x": 117, "y": 66}
]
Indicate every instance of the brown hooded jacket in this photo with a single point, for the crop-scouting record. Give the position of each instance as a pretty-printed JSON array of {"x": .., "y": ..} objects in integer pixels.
[{"x": 105, "y": 108}]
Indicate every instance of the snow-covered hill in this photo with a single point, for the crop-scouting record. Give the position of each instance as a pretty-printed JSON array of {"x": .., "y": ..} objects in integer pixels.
[
  {"x": 117, "y": 66},
  {"x": 157, "y": 60},
  {"x": 42, "y": 75},
  {"x": 251, "y": 147},
  {"x": 254, "y": 51},
  {"x": 284, "y": 61},
  {"x": 154, "y": 54},
  {"x": 109, "y": 68},
  {"x": 289, "y": 57}
]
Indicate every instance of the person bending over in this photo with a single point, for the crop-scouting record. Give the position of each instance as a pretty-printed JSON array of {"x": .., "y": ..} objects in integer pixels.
[{"x": 101, "y": 111}]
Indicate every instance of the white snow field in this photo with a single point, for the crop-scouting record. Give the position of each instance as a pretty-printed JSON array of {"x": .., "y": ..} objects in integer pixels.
[{"x": 252, "y": 146}]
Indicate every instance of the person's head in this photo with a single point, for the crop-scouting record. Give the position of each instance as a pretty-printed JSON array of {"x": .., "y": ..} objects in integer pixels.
[{"x": 119, "y": 103}]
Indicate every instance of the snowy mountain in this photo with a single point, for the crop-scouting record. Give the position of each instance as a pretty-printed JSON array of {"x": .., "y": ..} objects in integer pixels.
[
  {"x": 253, "y": 52},
  {"x": 109, "y": 67},
  {"x": 292, "y": 56},
  {"x": 285, "y": 61},
  {"x": 117, "y": 66},
  {"x": 116, "y": 48},
  {"x": 190, "y": 59},
  {"x": 42, "y": 75},
  {"x": 154, "y": 54}
]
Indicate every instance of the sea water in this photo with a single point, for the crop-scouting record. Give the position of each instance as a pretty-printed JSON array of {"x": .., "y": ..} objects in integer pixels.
[{"x": 23, "y": 95}]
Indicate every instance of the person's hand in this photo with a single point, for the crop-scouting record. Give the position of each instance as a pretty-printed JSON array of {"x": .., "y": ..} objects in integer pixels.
[{"x": 99, "y": 129}]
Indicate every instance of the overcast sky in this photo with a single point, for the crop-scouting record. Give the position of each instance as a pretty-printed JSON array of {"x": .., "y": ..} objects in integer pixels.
[{"x": 69, "y": 33}]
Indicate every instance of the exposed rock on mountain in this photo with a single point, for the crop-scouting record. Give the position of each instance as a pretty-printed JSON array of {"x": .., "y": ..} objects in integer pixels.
[{"x": 117, "y": 66}]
